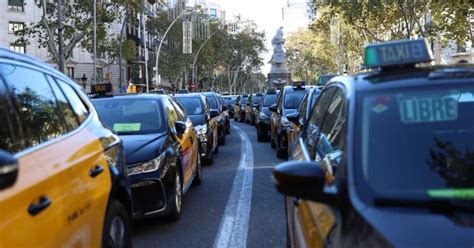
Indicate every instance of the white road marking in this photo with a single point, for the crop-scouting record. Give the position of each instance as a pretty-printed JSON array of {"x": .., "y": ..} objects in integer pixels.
[{"x": 234, "y": 227}]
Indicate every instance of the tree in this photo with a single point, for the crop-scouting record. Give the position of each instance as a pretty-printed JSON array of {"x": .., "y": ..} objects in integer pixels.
[{"x": 77, "y": 26}]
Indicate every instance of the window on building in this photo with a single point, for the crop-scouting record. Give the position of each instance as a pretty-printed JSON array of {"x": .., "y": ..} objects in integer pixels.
[
  {"x": 70, "y": 72},
  {"x": 20, "y": 48},
  {"x": 213, "y": 13},
  {"x": 15, "y": 26},
  {"x": 16, "y": 5}
]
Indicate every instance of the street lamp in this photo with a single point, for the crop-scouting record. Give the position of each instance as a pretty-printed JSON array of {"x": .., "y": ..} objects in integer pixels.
[
  {"x": 197, "y": 54},
  {"x": 84, "y": 81},
  {"x": 163, "y": 38}
]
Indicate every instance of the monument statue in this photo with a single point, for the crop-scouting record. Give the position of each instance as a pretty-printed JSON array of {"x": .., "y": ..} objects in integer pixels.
[{"x": 279, "y": 74}]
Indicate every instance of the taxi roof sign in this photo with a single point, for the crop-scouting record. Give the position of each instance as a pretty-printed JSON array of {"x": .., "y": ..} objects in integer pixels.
[{"x": 400, "y": 52}]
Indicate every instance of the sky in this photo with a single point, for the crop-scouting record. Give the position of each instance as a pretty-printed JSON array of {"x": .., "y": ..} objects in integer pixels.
[{"x": 268, "y": 16}]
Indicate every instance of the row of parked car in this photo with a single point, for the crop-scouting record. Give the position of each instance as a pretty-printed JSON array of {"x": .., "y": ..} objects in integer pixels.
[{"x": 76, "y": 171}]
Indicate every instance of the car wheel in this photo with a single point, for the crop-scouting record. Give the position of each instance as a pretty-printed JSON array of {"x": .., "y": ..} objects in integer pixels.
[
  {"x": 272, "y": 143},
  {"x": 236, "y": 119},
  {"x": 117, "y": 227},
  {"x": 216, "y": 151},
  {"x": 259, "y": 137},
  {"x": 174, "y": 206},
  {"x": 198, "y": 178}
]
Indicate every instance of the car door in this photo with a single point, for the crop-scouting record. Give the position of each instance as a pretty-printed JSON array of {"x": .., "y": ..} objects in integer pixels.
[
  {"x": 312, "y": 220},
  {"x": 237, "y": 108},
  {"x": 274, "y": 119},
  {"x": 60, "y": 204}
]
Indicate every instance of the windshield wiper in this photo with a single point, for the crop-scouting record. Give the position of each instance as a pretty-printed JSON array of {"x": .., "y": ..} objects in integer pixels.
[{"x": 435, "y": 204}]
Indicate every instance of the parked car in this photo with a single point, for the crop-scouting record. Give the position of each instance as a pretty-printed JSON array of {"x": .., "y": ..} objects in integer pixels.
[
  {"x": 216, "y": 105},
  {"x": 63, "y": 178},
  {"x": 298, "y": 118},
  {"x": 225, "y": 113},
  {"x": 239, "y": 108},
  {"x": 161, "y": 150},
  {"x": 251, "y": 107},
  {"x": 288, "y": 101},
  {"x": 230, "y": 101},
  {"x": 204, "y": 122},
  {"x": 263, "y": 113},
  {"x": 383, "y": 160}
]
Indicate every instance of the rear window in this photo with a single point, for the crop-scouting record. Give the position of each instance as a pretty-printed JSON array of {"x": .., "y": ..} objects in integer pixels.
[
  {"x": 256, "y": 99},
  {"x": 293, "y": 99},
  {"x": 193, "y": 106},
  {"x": 243, "y": 100},
  {"x": 131, "y": 116},
  {"x": 268, "y": 100}
]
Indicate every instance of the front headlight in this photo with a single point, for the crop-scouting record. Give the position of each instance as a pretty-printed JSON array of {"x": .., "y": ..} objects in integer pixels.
[
  {"x": 200, "y": 129},
  {"x": 149, "y": 166}
]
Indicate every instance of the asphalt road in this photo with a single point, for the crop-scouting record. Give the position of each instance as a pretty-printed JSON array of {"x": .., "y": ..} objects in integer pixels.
[{"x": 236, "y": 205}]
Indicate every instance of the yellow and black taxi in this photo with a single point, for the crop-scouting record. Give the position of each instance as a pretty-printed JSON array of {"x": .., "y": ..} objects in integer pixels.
[
  {"x": 385, "y": 158},
  {"x": 239, "y": 108},
  {"x": 230, "y": 101},
  {"x": 161, "y": 150},
  {"x": 298, "y": 118},
  {"x": 63, "y": 178},
  {"x": 204, "y": 122},
  {"x": 225, "y": 112},
  {"x": 250, "y": 109},
  {"x": 288, "y": 100},
  {"x": 262, "y": 122},
  {"x": 222, "y": 125}
]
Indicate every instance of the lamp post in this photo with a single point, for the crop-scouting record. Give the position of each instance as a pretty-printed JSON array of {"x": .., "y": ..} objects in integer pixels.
[
  {"x": 197, "y": 54},
  {"x": 163, "y": 38}
]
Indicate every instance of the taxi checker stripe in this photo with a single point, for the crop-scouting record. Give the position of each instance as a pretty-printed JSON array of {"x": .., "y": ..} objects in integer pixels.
[{"x": 234, "y": 226}]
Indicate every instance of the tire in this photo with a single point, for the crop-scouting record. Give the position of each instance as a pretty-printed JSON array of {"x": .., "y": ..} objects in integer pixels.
[
  {"x": 117, "y": 227},
  {"x": 236, "y": 119},
  {"x": 216, "y": 151},
  {"x": 209, "y": 161},
  {"x": 198, "y": 177},
  {"x": 272, "y": 143},
  {"x": 222, "y": 140},
  {"x": 259, "y": 137},
  {"x": 173, "y": 213}
]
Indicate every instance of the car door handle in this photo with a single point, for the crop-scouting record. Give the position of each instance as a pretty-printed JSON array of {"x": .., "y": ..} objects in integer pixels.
[
  {"x": 93, "y": 172},
  {"x": 36, "y": 208}
]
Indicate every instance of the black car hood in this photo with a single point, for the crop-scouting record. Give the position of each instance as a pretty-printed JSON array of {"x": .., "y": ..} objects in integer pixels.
[
  {"x": 422, "y": 228},
  {"x": 143, "y": 147},
  {"x": 197, "y": 119}
]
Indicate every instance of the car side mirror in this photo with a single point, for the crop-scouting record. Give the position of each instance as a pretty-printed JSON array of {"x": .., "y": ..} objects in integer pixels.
[
  {"x": 303, "y": 179},
  {"x": 8, "y": 169},
  {"x": 180, "y": 127},
  {"x": 273, "y": 108},
  {"x": 214, "y": 113},
  {"x": 294, "y": 117},
  {"x": 225, "y": 107}
]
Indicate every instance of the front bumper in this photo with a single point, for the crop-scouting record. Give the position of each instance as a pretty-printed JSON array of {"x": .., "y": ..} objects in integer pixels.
[{"x": 263, "y": 127}]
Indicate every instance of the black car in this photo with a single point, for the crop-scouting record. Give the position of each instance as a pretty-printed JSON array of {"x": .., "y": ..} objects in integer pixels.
[
  {"x": 288, "y": 100},
  {"x": 225, "y": 113},
  {"x": 161, "y": 150},
  {"x": 387, "y": 156},
  {"x": 239, "y": 107},
  {"x": 216, "y": 105},
  {"x": 251, "y": 107},
  {"x": 204, "y": 123},
  {"x": 230, "y": 101},
  {"x": 298, "y": 118},
  {"x": 262, "y": 122}
]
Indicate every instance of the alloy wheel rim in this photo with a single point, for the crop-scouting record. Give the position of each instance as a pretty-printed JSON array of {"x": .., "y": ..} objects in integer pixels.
[{"x": 117, "y": 232}]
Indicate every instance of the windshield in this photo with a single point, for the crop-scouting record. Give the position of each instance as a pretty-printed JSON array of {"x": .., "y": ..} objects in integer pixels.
[
  {"x": 230, "y": 101},
  {"x": 212, "y": 101},
  {"x": 131, "y": 116},
  {"x": 256, "y": 99},
  {"x": 315, "y": 97},
  {"x": 243, "y": 100},
  {"x": 293, "y": 99},
  {"x": 193, "y": 106},
  {"x": 429, "y": 149},
  {"x": 268, "y": 100}
]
